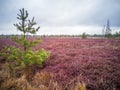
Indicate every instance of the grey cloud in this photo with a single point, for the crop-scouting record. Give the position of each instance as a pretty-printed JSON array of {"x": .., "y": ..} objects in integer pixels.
[
  {"x": 99, "y": 12},
  {"x": 63, "y": 12},
  {"x": 66, "y": 12}
]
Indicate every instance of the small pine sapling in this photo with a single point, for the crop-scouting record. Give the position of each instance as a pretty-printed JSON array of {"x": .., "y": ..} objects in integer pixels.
[
  {"x": 25, "y": 59},
  {"x": 26, "y": 26}
]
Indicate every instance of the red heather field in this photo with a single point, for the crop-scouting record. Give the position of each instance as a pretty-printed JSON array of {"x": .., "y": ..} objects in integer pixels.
[
  {"x": 93, "y": 60},
  {"x": 96, "y": 62}
]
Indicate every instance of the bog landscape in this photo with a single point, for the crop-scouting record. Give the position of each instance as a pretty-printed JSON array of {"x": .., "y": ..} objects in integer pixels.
[{"x": 58, "y": 62}]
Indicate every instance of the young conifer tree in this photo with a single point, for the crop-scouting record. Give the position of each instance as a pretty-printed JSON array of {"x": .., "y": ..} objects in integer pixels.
[
  {"x": 26, "y": 26},
  {"x": 24, "y": 59}
]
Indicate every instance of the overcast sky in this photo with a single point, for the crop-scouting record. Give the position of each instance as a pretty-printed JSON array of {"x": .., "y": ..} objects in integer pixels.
[{"x": 62, "y": 16}]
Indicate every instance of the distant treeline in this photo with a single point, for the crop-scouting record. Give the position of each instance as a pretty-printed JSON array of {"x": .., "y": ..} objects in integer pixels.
[
  {"x": 6, "y": 36},
  {"x": 117, "y": 34}
]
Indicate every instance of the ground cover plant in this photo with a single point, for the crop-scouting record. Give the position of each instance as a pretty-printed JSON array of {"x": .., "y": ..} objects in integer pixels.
[
  {"x": 95, "y": 61},
  {"x": 76, "y": 64}
]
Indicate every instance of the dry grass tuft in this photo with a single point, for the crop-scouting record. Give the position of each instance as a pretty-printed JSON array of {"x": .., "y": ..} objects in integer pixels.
[
  {"x": 16, "y": 84},
  {"x": 80, "y": 86},
  {"x": 44, "y": 81}
]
